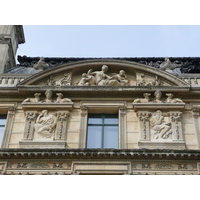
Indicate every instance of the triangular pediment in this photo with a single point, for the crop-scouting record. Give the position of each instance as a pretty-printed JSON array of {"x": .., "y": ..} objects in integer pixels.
[{"x": 86, "y": 73}]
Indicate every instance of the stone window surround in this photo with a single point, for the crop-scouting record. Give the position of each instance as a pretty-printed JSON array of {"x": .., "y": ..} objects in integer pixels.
[
  {"x": 8, "y": 109},
  {"x": 98, "y": 107}
]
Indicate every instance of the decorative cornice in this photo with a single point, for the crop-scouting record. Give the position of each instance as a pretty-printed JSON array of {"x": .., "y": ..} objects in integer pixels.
[{"x": 100, "y": 153}]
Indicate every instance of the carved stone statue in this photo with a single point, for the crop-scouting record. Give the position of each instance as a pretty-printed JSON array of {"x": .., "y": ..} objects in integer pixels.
[
  {"x": 60, "y": 99},
  {"x": 145, "y": 100},
  {"x": 101, "y": 78},
  {"x": 170, "y": 99},
  {"x": 159, "y": 128},
  {"x": 41, "y": 65},
  {"x": 157, "y": 95},
  {"x": 34, "y": 100},
  {"x": 121, "y": 78},
  {"x": 45, "y": 124},
  {"x": 169, "y": 67},
  {"x": 48, "y": 95},
  {"x": 86, "y": 80}
]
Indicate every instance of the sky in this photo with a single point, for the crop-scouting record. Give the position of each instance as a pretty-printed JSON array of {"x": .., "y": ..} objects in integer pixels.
[{"x": 111, "y": 41}]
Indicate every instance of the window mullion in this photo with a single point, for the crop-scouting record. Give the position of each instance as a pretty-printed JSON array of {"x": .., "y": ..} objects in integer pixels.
[{"x": 103, "y": 119}]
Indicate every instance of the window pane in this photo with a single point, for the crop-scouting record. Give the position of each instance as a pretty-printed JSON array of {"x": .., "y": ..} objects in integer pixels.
[
  {"x": 2, "y": 127},
  {"x": 1, "y": 134},
  {"x": 111, "y": 119},
  {"x": 95, "y": 119},
  {"x": 94, "y": 137},
  {"x": 111, "y": 137},
  {"x": 2, "y": 122}
]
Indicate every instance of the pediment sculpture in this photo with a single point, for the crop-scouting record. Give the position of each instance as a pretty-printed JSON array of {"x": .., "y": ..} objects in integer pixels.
[
  {"x": 142, "y": 81},
  {"x": 101, "y": 78}
]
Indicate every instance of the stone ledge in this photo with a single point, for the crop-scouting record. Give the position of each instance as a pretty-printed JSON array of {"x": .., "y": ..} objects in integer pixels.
[
  {"x": 31, "y": 106},
  {"x": 155, "y": 106},
  {"x": 49, "y": 145},
  {"x": 179, "y": 145}
]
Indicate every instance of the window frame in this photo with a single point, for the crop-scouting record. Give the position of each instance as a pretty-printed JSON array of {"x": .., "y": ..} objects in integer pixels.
[
  {"x": 103, "y": 126},
  {"x": 2, "y": 116},
  {"x": 9, "y": 110},
  {"x": 108, "y": 107}
]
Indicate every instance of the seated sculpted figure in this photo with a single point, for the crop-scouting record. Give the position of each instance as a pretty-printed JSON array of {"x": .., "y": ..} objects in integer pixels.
[
  {"x": 121, "y": 78},
  {"x": 159, "y": 128},
  {"x": 101, "y": 78},
  {"x": 45, "y": 124}
]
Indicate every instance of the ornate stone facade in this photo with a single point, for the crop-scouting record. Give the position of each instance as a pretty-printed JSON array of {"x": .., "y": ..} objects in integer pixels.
[{"x": 50, "y": 103}]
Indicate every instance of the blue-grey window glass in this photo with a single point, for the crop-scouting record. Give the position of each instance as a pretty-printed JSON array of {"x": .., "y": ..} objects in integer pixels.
[
  {"x": 2, "y": 126},
  {"x": 102, "y": 131}
]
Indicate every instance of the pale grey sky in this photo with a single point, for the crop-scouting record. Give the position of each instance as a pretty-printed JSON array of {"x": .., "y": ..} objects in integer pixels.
[{"x": 111, "y": 41}]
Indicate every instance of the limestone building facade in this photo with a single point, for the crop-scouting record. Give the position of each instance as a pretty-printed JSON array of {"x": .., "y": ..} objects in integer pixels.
[{"x": 67, "y": 116}]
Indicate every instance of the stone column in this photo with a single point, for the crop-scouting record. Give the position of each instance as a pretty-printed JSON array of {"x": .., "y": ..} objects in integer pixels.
[
  {"x": 196, "y": 123},
  {"x": 8, "y": 127},
  {"x": 176, "y": 125},
  {"x": 144, "y": 125},
  {"x": 83, "y": 127},
  {"x": 122, "y": 128},
  {"x": 61, "y": 129},
  {"x": 29, "y": 125}
]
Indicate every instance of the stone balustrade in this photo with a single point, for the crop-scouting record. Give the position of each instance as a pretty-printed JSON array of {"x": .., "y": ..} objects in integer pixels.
[{"x": 10, "y": 80}]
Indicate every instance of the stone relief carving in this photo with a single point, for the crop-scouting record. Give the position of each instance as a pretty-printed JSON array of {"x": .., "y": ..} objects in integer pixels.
[
  {"x": 144, "y": 119},
  {"x": 30, "y": 120},
  {"x": 101, "y": 78},
  {"x": 65, "y": 81},
  {"x": 144, "y": 81},
  {"x": 45, "y": 124},
  {"x": 176, "y": 118},
  {"x": 62, "y": 117},
  {"x": 158, "y": 127},
  {"x": 48, "y": 98},
  {"x": 41, "y": 65}
]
